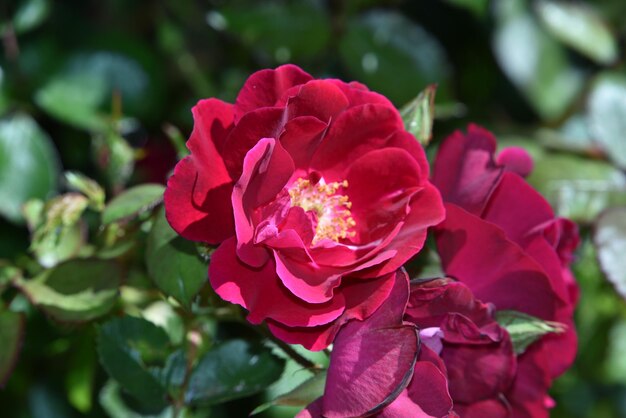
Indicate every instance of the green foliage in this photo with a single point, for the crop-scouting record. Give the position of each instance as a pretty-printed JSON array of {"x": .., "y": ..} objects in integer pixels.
[
  {"x": 419, "y": 114},
  {"x": 174, "y": 263},
  {"x": 11, "y": 332},
  {"x": 525, "y": 329},
  {"x": 28, "y": 164},
  {"x": 610, "y": 240},
  {"x": 234, "y": 369},
  {"x": 127, "y": 347},
  {"x": 75, "y": 291},
  {"x": 132, "y": 203}
]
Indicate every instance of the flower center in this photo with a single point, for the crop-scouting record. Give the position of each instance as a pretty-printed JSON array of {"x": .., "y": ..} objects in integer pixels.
[{"x": 334, "y": 220}]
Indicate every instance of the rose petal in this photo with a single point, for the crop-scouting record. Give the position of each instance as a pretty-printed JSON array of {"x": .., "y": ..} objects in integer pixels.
[
  {"x": 265, "y": 87},
  {"x": 197, "y": 196},
  {"x": 465, "y": 172},
  {"x": 358, "y": 94},
  {"x": 261, "y": 292},
  {"x": 478, "y": 254},
  {"x": 318, "y": 98},
  {"x": 363, "y": 298},
  {"x": 372, "y": 361},
  {"x": 301, "y": 138},
  {"x": 267, "y": 167}
]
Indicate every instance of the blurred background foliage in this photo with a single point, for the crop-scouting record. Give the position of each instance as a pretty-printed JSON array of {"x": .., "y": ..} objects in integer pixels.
[{"x": 103, "y": 89}]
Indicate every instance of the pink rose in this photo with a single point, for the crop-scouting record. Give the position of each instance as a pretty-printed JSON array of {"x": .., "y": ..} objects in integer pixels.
[
  {"x": 502, "y": 240},
  {"x": 315, "y": 194}
]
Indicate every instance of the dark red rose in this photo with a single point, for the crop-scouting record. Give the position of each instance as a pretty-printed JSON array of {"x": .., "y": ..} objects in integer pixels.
[
  {"x": 477, "y": 353},
  {"x": 379, "y": 368},
  {"x": 502, "y": 239},
  {"x": 315, "y": 194}
]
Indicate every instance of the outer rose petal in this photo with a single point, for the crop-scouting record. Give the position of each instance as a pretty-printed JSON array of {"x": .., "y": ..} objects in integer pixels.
[
  {"x": 266, "y": 169},
  {"x": 512, "y": 280},
  {"x": 261, "y": 292},
  {"x": 196, "y": 199},
  {"x": 465, "y": 171},
  {"x": 372, "y": 361},
  {"x": 358, "y": 94},
  {"x": 363, "y": 298},
  {"x": 265, "y": 87}
]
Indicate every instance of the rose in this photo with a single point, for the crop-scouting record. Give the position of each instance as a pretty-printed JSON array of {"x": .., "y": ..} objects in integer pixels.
[
  {"x": 381, "y": 367},
  {"x": 315, "y": 194},
  {"x": 477, "y": 352},
  {"x": 502, "y": 240}
]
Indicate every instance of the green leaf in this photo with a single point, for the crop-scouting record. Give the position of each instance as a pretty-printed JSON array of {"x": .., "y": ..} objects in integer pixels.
[
  {"x": 126, "y": 347},
  {"x": 114, "y": 405},
  {"x": 91, "y": 189},
  {"x": 285, "y": 31},
  {"x": 11, "y": 335},
  {"x": 79, "y": 379},
  {"x": 302, "y": 395},
  {"x": 234, "y": 369},
  {"x": 30, "y": 14},
  {"x": 580, "y": 27},
  {"x": 610, "y": 240},
  {"x": 606, "y": 109},
  {"x": 174, "y": 263},
  {"x": 75, "y": 291},
  {"x": 578, "y": 188},
  {"x": 83, "y": 89},
  {"x": 57, "y": 236},
  {"x": 29, "y": 166},
  {"x": 534, "y": 61},
  {"x": 115, "y": 158},
  {"x": 133, "y": 202},
  {"x": 526, "y": 329},
  {"x": 418, "y": 115},
  {"x": 393, "y": 55},
  {"x": 75, "y": 100}
]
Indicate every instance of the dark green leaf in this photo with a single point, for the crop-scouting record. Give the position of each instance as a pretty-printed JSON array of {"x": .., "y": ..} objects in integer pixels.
[
  {"x": 610, "y": 241},
  {"x": 418, "y": 115},
  {"x": 11, "y": 334},
  {"x": 75, "y": 291},
  {"x": 114, "y": 404},
  {"x": 533, "y": 60},
  {"x": 607, "y": 116},
  {"x": 526, "y": 329},
  {"x": 393, "y": 55},
  {"x": 174, "y": 263},
  {"x": 302, "y": 395},
  {"x": 235, "y": 369},
  {"x": 28, "y": 165},
  {"x": 126, "y": 347},
  {"x": 580, "y": 27},
  {"x": 133, "y": 202}
]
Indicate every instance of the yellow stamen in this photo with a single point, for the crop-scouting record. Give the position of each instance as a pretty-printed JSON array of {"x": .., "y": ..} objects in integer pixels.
[{"x": 334, "y": 220}]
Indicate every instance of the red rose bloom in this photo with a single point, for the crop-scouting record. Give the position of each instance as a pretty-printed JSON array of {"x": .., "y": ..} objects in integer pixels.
[
  {"x": 502, "y": 240},
  {"x": 315, "y": 193}
]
